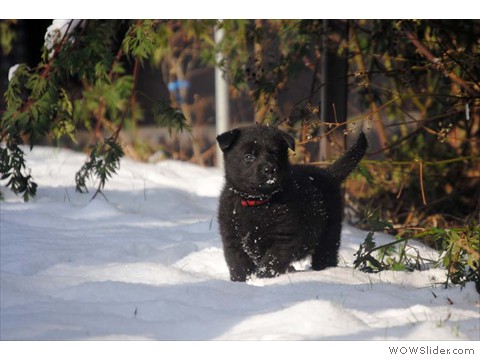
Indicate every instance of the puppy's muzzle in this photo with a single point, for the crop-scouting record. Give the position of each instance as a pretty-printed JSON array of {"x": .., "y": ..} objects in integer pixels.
[{"x": 270, "y": 171}]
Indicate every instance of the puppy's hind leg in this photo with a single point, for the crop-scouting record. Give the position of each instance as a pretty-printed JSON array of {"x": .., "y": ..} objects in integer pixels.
[{"x": 326, "y": 250}]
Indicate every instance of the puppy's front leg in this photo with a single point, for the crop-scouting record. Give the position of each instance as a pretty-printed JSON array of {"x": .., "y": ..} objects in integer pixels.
[
  {"x": 276, "y": 260},
  {"x": 239, "y": 263}
]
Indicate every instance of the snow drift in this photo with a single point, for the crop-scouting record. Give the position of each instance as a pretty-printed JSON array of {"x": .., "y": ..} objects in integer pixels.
[{"x": 148, "y": 264}]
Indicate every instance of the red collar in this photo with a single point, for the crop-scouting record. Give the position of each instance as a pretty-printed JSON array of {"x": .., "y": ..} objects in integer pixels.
[{"x": 247, "y": 203}]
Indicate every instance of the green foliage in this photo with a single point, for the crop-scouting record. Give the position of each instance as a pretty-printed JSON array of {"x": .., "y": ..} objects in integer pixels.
[
  {"x": 370, "y": 257},
  {"x": 364, "y": 172},
  {"x": 458, "y": 250},
  {"x": 12, "y": 169},
  {"x": 82, "y": 82},
  {"x": 141, "y": 40},
  {"x": 167, "y": 116},
  {"x": 104, "y": 161},
  {"x": 261, "y": 56},
  {"x": 423, "y": 76},
  {"x": 65, "y": 125},
  {"x": 7, "y": 35}
]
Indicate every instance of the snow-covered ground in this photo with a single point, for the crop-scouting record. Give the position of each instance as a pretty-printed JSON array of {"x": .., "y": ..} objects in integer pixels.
[{"x": 148, "y": 264}]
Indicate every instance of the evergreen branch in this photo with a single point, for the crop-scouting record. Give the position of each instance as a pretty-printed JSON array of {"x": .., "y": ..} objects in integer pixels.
[
  {"x": 103, "y": 162},
  {"x": 12, "y": 168},
  {"x": 105, "y": 158}
]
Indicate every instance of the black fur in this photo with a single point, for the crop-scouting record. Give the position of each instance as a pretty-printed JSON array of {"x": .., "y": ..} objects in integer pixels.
[{"x": 300, "y": 207}]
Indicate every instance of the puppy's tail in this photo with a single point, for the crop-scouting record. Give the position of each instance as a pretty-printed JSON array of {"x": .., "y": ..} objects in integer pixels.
[{"x": 349, "y": 161}]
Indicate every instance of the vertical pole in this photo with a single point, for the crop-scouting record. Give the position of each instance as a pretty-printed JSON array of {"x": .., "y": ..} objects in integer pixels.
[{"x": 221, "y": 96}]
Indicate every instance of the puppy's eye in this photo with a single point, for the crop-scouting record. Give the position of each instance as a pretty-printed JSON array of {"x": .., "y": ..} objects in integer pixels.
[{"x": 249, "y": 157}]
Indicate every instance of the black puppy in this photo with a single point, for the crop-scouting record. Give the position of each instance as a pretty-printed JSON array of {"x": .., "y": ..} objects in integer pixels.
[{"x": 272, "y": 213}]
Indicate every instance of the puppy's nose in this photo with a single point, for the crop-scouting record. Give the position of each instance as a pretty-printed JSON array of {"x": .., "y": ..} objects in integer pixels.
[{"x": 269, "y": 171}]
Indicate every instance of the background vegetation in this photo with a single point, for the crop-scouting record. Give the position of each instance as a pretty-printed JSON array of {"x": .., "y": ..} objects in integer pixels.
[{"x": 413, "y": 85}]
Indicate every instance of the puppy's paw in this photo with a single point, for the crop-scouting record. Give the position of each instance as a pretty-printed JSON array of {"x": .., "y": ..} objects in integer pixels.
[{"x": 264, "y": 272}]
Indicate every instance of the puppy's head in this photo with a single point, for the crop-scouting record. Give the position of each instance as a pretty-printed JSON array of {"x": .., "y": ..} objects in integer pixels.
[{"x": 256, "y": 158}]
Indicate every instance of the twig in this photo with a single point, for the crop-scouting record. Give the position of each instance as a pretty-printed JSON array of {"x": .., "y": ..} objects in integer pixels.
[
  {"x": 405, "y": 180},
  {"x": 421, "y": 183},
  {"x": 306, "y": 98},
  {"x": 422, "y": 49},
  {"x": 132, "y": 99},
  {"x": 399, "y": 141},
  {"x": 337, "y": 125},
  {"x": 101, "y": 109},
  {"x": 462, "y": 66},
  {"x": 56, "y": 51},
  {"x": 334, "y": 112},
  {"x": 429, "y": 163}
]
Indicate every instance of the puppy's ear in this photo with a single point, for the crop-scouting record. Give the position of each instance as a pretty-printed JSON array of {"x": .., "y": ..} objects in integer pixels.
[
  {"x": 226, "y": 140},
  {"x": 290, "y": 140}
]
